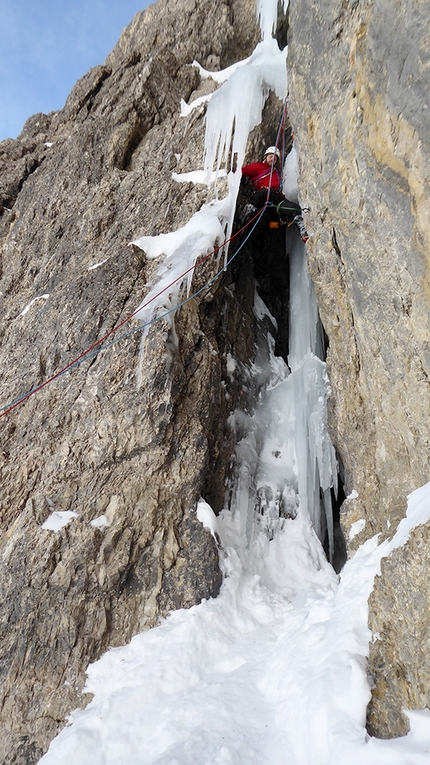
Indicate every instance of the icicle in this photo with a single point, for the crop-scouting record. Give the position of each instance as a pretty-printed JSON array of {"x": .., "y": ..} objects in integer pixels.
[
  {"x": 234, "y": 110},
  {"x": 267, "y": 14},
  {"x": 303, "y": 308},
  {"x": 316, "y": 459}
]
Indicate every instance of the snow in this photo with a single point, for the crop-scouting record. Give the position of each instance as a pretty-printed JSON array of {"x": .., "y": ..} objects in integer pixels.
[
  {"x": 102, "y": 522},
  {"x": 186, "y": 109},
  {"x": 59, "y": 519},
  {"x": 221, "y": 76},
  {"x": 207, "y": 517},
  {"x": 273, "y": 670},
  {"x": 197, "y": 176},
  {"x": 97, "y": 265},
  {"x": 356, "y": 528},
  {"x": 27, "y": 307},
  {"x": 416, "y": 514},
  {"x": 177, "y": 253}
]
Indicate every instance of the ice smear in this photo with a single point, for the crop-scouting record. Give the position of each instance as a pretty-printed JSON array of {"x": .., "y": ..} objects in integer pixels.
[
  {"x": 316, "y": 463},
  {"x": 290, "y": 175},
  {"x": 59, "y": 519},
  {"x": 273, "y": 670},
  {"x": 27, "y": 307},
  {"x": 261, "y": 310}
]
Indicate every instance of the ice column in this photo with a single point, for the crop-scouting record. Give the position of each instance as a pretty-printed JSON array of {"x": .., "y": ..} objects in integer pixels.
[{"x": 316, "y": 464}]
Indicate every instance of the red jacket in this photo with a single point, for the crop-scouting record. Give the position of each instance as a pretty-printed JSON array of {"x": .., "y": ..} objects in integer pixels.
[{"x": 259, "y": 175}]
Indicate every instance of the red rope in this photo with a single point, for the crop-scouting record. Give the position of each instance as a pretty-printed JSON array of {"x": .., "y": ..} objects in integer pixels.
[{"x": 121, "y": 324}]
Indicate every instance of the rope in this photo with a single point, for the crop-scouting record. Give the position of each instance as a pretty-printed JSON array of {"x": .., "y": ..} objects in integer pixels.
[
  {"x": 92, "y": 350},
  {"x": 280, "y": 128},
  {"x": 284, "y": 124}
]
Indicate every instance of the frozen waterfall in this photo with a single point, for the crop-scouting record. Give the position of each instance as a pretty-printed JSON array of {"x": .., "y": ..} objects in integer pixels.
[{"x": 285, "y": 461}]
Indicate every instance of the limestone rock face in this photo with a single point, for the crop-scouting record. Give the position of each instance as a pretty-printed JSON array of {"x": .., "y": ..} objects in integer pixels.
[
  {"x": 401, "y": 665},
  {"x": 76, "y": 187},
  {"x": 359, "y": 107}
]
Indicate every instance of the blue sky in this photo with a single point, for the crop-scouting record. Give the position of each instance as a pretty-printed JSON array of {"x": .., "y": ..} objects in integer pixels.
[{"x": 46, "y": 45}]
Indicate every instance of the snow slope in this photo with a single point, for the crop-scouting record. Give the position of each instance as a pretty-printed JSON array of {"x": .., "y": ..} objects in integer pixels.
[{"x": 272, "y": 671}]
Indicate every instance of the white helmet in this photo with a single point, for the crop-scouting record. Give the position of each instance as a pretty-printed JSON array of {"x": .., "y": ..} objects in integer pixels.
[{"x": 272, "y": 150}]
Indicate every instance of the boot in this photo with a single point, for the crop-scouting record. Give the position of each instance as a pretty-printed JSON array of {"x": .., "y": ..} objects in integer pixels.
[{"x": 298, "y": 222}]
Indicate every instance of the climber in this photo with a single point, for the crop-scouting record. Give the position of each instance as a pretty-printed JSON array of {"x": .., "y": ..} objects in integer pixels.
[{"x": 265, "y": 178}]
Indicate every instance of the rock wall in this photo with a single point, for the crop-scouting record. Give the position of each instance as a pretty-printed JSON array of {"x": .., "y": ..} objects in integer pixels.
[
  {"x": 75, "y": 188},
  {"x": 359, "y": 106}
]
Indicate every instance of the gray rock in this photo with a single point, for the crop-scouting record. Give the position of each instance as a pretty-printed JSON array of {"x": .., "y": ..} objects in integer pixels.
[
  {"x": 359, "y": 106},
  {"x": 400, "y": 654}
]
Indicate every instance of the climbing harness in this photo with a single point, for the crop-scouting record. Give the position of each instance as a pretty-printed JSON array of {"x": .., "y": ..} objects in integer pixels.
[
  {"x": 93, "y": 350},
  {"x": 291, "y": 210}
]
